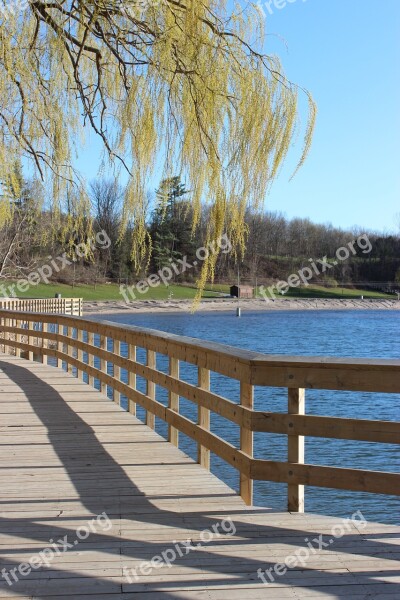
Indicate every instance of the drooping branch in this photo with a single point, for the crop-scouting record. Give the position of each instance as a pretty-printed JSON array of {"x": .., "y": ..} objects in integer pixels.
[{"x": 176, "y": 83}]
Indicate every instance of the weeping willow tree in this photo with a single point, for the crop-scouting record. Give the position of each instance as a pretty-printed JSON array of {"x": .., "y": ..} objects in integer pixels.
[{"x": 179, "y": 83}]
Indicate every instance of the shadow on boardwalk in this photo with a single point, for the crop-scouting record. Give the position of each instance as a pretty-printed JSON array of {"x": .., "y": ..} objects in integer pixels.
[{"x": 83, "y": 458}]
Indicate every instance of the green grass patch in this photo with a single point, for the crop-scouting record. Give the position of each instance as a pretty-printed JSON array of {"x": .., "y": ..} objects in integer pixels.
[
  {"x": 318, "y": 291},
  {"x": 103, "y": 292}
]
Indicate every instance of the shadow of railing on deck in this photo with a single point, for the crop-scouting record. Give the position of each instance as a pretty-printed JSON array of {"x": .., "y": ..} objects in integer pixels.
[{"x": 75, "y": 453}]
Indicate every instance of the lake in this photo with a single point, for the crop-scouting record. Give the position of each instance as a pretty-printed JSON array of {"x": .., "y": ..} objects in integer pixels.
[{"x": 355, "y": 334}]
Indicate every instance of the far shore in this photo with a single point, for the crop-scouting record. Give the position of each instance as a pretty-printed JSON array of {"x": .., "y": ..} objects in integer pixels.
[{"x": 230, "y": 304}]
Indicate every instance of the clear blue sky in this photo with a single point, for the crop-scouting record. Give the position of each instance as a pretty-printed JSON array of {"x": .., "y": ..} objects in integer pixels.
[{"x": 346, "y": 52}]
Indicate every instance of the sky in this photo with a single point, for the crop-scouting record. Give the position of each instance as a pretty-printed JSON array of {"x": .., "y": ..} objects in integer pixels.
[{"x": 346, "y": 53}]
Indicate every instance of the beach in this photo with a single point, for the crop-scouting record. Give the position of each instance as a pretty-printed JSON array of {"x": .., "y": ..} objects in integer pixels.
[{"x": 230, "y": 304}]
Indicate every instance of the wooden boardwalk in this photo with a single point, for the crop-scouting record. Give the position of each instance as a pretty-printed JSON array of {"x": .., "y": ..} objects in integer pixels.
[{"x": 73, "y": 465}]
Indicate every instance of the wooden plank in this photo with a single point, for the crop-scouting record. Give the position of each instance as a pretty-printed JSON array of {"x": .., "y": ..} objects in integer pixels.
[
  {"x": 356, "y": 480},
  {"x": 385, "y": 432},
  {"x": 328, "y": 374}
]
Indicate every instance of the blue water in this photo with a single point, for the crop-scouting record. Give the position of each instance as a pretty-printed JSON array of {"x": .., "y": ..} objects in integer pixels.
[{"x": 355, "y": 334}]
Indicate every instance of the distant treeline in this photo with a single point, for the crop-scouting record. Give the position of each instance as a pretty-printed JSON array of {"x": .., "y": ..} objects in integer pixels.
[{"x": 276, "y": 246}]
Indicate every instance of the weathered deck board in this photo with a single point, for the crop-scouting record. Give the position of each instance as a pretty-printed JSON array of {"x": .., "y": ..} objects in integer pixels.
[{"x": 68, "y": 454}]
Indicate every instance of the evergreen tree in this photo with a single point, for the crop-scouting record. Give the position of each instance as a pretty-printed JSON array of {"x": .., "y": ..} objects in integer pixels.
[{"x": 170, "y": 228}]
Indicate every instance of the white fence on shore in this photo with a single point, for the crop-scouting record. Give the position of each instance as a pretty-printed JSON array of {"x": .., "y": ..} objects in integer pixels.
[{"x": 65, "y": 306}]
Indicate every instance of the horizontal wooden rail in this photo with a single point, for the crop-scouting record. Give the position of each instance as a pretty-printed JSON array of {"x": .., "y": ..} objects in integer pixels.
[
  {"x": 85, "y": 348},
  {"x": 385, "y": 432},
  {"x": 355, "y": 480}
]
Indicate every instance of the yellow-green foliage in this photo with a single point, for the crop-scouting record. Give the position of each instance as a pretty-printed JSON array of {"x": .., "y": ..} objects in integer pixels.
[{"x": 178, "y": 83}]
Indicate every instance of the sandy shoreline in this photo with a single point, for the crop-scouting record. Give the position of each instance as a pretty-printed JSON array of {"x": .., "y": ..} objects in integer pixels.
[{"x": 228, "y": 304}]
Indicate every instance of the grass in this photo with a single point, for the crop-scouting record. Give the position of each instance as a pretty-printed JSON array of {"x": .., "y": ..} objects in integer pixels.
[
  {"x": 182, "y": 292},
  {"x": 318, "y": 291},
  {"x": 108, "y": 292}
]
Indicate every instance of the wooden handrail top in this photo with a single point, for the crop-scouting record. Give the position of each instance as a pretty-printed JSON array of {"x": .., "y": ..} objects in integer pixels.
[
  {"x": 350, "y": 374},
  {"x": 246, "y": 356}
]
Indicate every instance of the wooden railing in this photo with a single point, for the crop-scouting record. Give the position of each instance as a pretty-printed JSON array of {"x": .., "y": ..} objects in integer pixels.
[
  {"x": 87, "y": 347},
  {"x": 65, "y": 306}
]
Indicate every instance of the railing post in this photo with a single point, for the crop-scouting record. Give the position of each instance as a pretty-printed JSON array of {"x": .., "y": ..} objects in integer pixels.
[
  {"x": 60, "y": 346},
  {"x": 79, "y": 352},
  {"x": 90, "y": 357},
  {"x": 30, "y": 339},
  {"x": 18, "y": 337},
  {"x": 131, "y": 379},
  {"x": 117, "y": 371},
  {"x": 6, "y": 336},
  {"x": 2, "y": 336},
  {"x": 296, "y": 406},
  {"x": 70, "y": 349},
  {"x": 203, "y": 420},
  {"x": 173, "y": 401},
  {"x": 103, "y": 364},
  {"x": 44, "y": 343},
  {"x": 246, "y": 442},
  {"x": 151, "y": 388}
]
